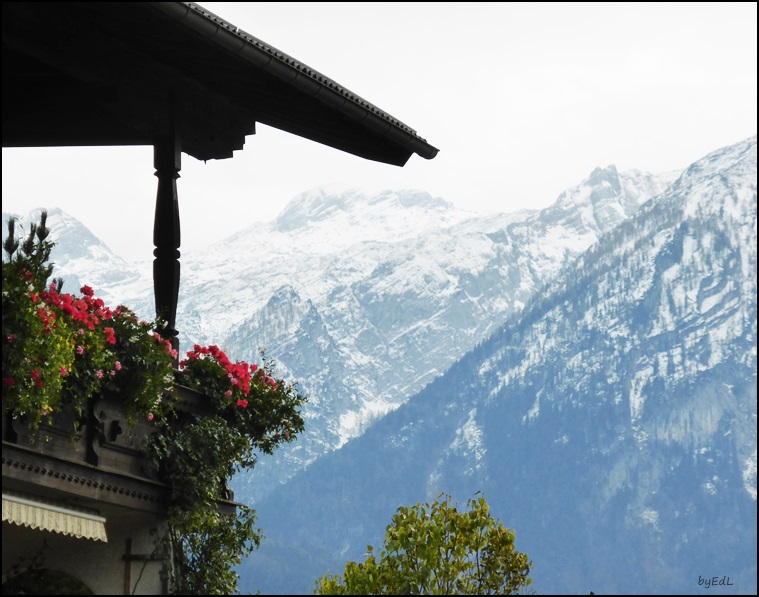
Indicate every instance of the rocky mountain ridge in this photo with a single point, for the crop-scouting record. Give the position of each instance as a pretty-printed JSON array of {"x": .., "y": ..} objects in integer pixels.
[
  {"x": 611, "y": 423},
  {"x": 362, "y": 299}
]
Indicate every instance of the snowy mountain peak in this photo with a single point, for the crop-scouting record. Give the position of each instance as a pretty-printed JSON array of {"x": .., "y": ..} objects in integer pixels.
[
  {"x": 330, "y": 219},
  {"x": 729, "y": 172},
  {"x": 315, "y": 205},
  {"x": 601, "y": 177},
  {"x": 63, "y": 227},
  {"x": 330, "y": 202},
  {"x": 82, "y": 258},
  {"x": 605, "y": 198},
  {"x": 602, "y": 183},
  {"x": 721, "y": 160}
]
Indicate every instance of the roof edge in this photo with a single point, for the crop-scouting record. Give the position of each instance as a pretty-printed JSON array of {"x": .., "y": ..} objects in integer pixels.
[{"x": 304, "y": 78}]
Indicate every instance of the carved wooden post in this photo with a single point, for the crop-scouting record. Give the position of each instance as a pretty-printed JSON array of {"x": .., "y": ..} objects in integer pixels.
[{"x": 166, "y": 235}]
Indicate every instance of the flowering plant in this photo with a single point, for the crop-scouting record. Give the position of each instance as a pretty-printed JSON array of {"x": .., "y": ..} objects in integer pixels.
[
  {"x": 61, "y": 349},
  {"x": 245, "y": 396}
]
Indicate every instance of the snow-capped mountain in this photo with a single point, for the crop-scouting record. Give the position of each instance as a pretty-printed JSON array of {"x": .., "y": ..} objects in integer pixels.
[
  {"x": 611, "y": 422},
  {"x": 366, "y": 299},
  {"x": 362, "y": 299},
  {"x": 79, "y": 257}
]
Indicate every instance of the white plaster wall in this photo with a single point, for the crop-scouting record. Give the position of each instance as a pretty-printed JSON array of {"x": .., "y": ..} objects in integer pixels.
[{"x": 98, "y": 565}]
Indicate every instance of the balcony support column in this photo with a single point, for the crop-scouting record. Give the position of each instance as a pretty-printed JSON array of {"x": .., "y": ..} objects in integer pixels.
[{"x": 166, "y": 235}]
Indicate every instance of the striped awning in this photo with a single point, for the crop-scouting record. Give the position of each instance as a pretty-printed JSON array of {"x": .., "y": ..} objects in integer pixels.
[{"x": 46, "y": 515}]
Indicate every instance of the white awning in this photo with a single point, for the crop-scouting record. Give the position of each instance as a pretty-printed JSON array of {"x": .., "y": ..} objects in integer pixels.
[{"x": 46, "y": 515}]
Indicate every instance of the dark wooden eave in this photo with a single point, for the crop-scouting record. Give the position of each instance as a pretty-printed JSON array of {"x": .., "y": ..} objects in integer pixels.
[{"x": 125, "y": 73}]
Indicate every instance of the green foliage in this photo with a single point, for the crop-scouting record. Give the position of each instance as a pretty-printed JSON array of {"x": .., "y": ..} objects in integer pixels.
[
  {"x": 60, "y": 350},
  {"x": 435, "y": 549},
  {"x": 245, "y": 396},
  {"x": 146, "y": 366},
  {"x": 208, "y": 546},
  {"x": 24, "y": 343},
  {"x": 247, "y": 411}
]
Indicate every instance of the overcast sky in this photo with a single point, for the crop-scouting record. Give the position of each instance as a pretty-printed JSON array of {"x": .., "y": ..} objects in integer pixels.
[{"x": 522, "y": 99}]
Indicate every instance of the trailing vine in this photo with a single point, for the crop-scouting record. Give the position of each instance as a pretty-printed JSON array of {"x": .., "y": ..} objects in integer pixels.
[{"x": 249, "y": 413}]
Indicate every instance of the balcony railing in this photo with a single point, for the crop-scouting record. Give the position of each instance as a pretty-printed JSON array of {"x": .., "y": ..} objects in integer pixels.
[{"x": 98, "y": 457}]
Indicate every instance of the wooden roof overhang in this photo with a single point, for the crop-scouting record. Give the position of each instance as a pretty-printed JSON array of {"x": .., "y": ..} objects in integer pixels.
[
  {"x": 175, "y": 76},
  {"x": 125, "y": 73}
]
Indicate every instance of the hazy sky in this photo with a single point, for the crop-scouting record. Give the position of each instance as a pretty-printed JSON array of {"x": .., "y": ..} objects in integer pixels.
[{"x": 522, "y": 99}]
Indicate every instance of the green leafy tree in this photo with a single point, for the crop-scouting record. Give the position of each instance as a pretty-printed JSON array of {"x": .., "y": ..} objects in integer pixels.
[{"x": 435, "y": 549}]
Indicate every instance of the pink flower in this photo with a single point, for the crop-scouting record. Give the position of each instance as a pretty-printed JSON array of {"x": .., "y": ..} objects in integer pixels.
[
  {"x": 242, "y": 403},
  {"x": 63, "y": 371},
  {"x": 80, "y": 331},
  {"x": 35, "y": 374},
  {"x": 80, "y": 350},
  {"x": 118, "y": 365},
  {"x": 11, "y": 337},
  {"x": 228, "y": 393},
  {"x": 99, "y": 374},
  {"x": 151, "y": 416}
]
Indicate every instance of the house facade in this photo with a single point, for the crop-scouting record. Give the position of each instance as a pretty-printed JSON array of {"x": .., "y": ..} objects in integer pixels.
[{"x": 82, "y": 505}]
